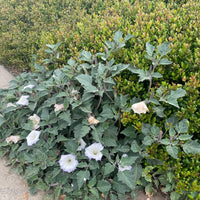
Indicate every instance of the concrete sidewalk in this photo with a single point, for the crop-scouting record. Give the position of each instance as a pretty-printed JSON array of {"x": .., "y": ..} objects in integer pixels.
[
  {"x": 12, "y": 186},
  {"x": 5, "y": 77}
]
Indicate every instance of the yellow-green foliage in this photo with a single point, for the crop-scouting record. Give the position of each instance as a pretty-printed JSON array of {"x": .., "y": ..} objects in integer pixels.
[{"x": 27, "y": 26}]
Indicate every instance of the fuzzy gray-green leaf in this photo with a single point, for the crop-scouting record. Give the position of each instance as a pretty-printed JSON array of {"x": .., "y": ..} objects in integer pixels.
[
  {"x": 191, "y": 147},
  {"x": 173, "y": 151},
  {"x": 150, "y": 49},
  {"x": 126, "y": 177}
]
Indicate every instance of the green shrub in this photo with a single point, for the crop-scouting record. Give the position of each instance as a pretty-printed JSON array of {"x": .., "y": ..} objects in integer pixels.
[
  {"x": 47, "y": 119},
  {"x": 87, "y": 24}
]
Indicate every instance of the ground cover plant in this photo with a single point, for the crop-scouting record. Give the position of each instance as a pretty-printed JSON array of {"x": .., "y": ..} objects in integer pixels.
[{"x": 64, "y": 128}]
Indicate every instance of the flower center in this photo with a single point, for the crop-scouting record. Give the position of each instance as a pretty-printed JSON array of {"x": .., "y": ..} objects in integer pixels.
[{"x": 95, "y": 152}]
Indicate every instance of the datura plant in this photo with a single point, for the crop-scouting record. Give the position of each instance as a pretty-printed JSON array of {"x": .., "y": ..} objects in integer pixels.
[{"x": 62, "y": 128}]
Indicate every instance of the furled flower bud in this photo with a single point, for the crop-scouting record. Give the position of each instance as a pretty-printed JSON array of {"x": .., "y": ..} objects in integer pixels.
[
  {"x": 13, "y": 138},
  {"x": 58, "y": 107},
  {"x": 92, "y": 120},
  {"x": 139, "y": 107}
]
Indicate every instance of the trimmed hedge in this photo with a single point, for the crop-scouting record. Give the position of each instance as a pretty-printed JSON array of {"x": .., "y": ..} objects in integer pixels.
[{"x": 27, "y": 26}]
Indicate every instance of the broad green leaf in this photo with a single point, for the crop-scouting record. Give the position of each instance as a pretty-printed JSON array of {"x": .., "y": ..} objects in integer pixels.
[
  {"x": 157, "y": 75},
  {"x": 81, "y": 131},
  {"x": 118, "y": 36},
  {"x": 147, "y": 140},
  {"x": 122, "y": 148},
  {"x": 82, "y": 176},
  {"x": 93, "y": 164},
  {"x": 61, "y": 138},
  {"x": 97, "y": 134},
  {"x": 113, "y": 196},
  {"x": 135, "y": 147},
  {"x": 108, "y": 169},
  {"x": 66, "y": 116},
  {"x": 2, "y": 120},
  {"x": 87, "y": 96},
  {"x": 185, "y": 137},
  {"x": 173, "y": 151},
  {"x": 175, "y": 196},
  {"x": 173, "y": 96},
  {"x": 150, "y": 49},
  {"x": 164, "y": 49},
  {"x": 128, "y": 37},
  {"x": 45, "y": 114},
  {"x": 82, "y": 164},
  {"x": 126, "y": 177},
  {"x": 172, "y": 132},
  {"x": 41, "y": 185},
  {"x": 165, "y": 61},
  {"x": 92, "y": 182},
  {"x": 103, "y": 186},
  {"x": 191, "y": 147},
  {"x": 167, "y": 188},
  {"x": 182, "y": 126},
  {"x": 137, "y": 172},
  {"x": 155, "y": 130},
  {"x": 144, "y": 75},
  {"x": 107, "y": 113},
  {"x": 128, "y": 160},
  {"x": 117, "y": 69},
  {"x": 54, "y": 46},
  {"x": 165, "y": 141},
  {"x": 178, "y": 93},
  {"x": 86, "y": 81},
  {"x": 95, "y": 192},
  {"x": 71, "y": 146},
  {"x": 146, "y": 129},
  {"x": 85, "y": 56},
  {"x": 31, "y": 171},
  {"x": 71, "y": 62},
  {"x": 154, "y": 101},
  {"x": 120, "y": 187},
  {"x": 109, "y": 141},
  {"x": 101, "y": 69},
  {"x": 159, "y": 111},
  {"x": 129, "y": 132},
  {"x": 170, "y": 176},
  {"x": 62, "y": 94}
]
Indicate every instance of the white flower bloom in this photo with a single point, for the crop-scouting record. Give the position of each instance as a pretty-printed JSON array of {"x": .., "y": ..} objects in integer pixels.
[
  {"x": 139, "y": 107},
  {"x": 122, "y": 167},
  {"x": 13, "y": 138},
  {"x": 92, "y": 120},
  {"x": 68, "y": 163},
  {"x": 10, "y": 104},
  {"x": 29, "y": 86},
  {"x": 36, "y": 120},
  {"x": 81, "y": 145},
  {"x": 58, "y": 107},
  {"x": 23, "y": 100},
  {"x": 84, "y": 179},
  {"x": 94, "y": 151},
  {"x": 33, "y": 137}
]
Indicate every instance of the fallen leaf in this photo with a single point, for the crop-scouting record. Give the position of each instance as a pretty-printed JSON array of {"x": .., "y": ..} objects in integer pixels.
[
  {"x": 62, "y": 197},
  {"x": 25, "y": 197}
]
